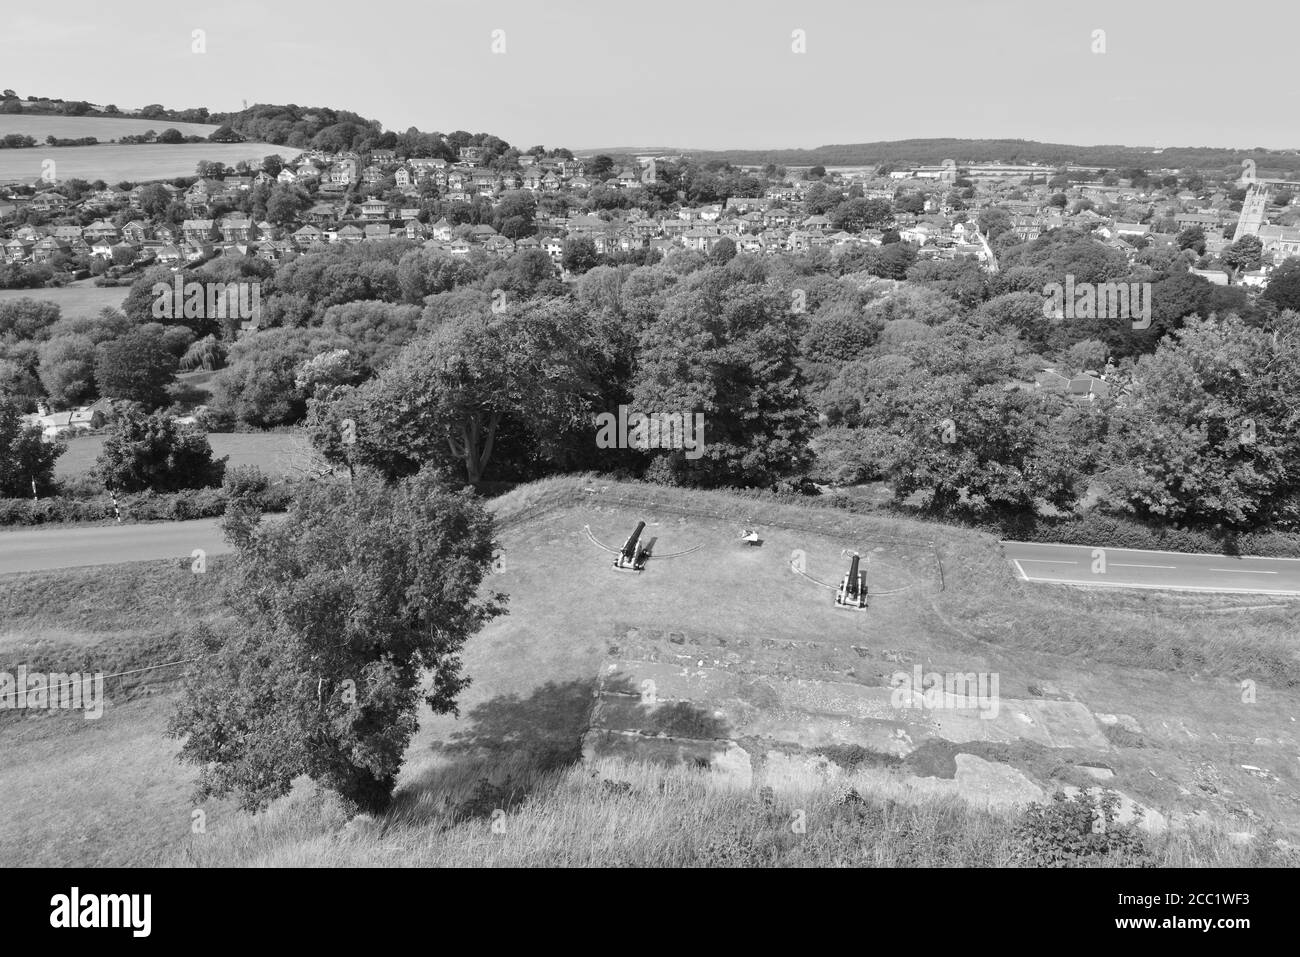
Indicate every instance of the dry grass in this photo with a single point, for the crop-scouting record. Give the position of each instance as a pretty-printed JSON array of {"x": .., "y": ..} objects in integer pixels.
[{"x": 511, "y": 814}]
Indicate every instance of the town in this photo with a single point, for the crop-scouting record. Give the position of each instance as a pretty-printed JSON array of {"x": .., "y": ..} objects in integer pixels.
[{"x": 426, "y": 498}]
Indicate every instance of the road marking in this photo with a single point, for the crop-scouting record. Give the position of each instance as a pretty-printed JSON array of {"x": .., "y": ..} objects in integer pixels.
[
  {"x": 1123, "y": 565},
  {"x": 1046, "y": 561},
  {"x": 1242, "y": 571},
  {"x": 1149, "y": 551}
]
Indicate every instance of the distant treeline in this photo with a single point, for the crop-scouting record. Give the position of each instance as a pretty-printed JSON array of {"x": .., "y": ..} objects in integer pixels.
[{"x": 932, "y": 152}]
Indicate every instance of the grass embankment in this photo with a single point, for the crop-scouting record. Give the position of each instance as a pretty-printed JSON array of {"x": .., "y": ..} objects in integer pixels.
[
  {"x": 656, "y": 817},
  {"x": 103, "y": 792}
]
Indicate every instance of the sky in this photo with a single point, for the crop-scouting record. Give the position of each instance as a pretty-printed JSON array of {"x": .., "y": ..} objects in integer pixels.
[{"x": 694, "y": 74}]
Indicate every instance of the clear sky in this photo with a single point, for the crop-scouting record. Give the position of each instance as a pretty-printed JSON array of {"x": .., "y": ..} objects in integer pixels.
[{"x": 695, "y": 73}]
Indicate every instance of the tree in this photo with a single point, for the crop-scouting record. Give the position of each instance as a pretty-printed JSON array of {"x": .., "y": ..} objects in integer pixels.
[
  {"x": 723, "y": 251},
  {"x": 258, "y": 384},
  {"x": 579, "y": 254},
  {"x": 150, "y": 452},
  {"x": 1245, "y": 254},
  {"x": 855, "y": 215},
  {"x": 727, "y": 349},
  {"x": 1193, "y": 237},
  {"x": 207, "y": 354},
  {"x": 448, "y": 398},
  {"x": 171, "y": 135},
  {"x": 26, "y": 459},
  {"x": 1284, "y": 285},
  {"x": 600, "y": 167},
  {"x": 27, "y": 318},
  {"x": 1204, "y": 436},
  {"x": 343, "y": 608},
  {"x": 136, "y": 367},
  {"x": 67, "y": 369},
  {"x": 993, "y": 221}
]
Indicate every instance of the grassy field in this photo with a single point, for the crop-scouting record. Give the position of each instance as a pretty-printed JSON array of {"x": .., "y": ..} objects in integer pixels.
[
  {"x": 141, "y": 163},
  {"x": 273, "y": 452},
  {"x": 103, "y": 128},
  {"x": 106, "y": 792},
  {"x": 81, "y": 298},
  {"x": 513, "y": 779}
]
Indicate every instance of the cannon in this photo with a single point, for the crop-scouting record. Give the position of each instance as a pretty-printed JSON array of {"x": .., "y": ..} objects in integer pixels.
[
  {"x": 632, "y": 556},
  {"x": 852, "y": 592}
]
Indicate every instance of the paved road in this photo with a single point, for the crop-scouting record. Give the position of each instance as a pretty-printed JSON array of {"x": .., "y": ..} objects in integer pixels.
[
  {"x": 37, "y": 549},
  {"x": 1174, "y": 571}
]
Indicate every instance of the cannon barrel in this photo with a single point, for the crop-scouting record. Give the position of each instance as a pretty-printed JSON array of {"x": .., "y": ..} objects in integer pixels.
[
  {"x": 853, "y": 576},
  {"x": 629, "y": 547}
]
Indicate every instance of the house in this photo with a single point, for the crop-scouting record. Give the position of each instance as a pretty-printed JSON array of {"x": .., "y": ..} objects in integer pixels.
[
  {"x": 441, "y": 230},
  {"x": 136, "y": 231},
  {"x": 322, "y": 214},
  {"x": 17, "y": 250},
  {"x": 69, "y": 233},
  {"x": 197, "y": 230},
  {"x": 307, "y": 235},
  {"x": 1216, "y": 276},
  {"x": 48, "y": 248},
  {"x": 1088, "y": 386},
  {"x": 1049, "y": 380},
  {"x": 373, "y": 210},
  {"x": 53, "y": 424},
  {"x": 378, "y": 231},
  {"x": 350, "y": 235},
  {"x": 168, "y": 254},
  {"x": 236, "y": 228},
  {"x": 122, "y": 252}
]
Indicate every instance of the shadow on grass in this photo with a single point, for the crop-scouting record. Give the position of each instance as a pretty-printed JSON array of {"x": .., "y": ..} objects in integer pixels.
[{"x": 527, "y": 737}]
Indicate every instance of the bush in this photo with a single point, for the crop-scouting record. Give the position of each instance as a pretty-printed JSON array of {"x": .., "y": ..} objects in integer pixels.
[
  {"x": 150, "y": 452},
  {"x": 139, "y": 507},
  {"x": 1080, "y": 830},
  {"x": 1109, "y": 531},
  {"x": 246, "y": 480}
]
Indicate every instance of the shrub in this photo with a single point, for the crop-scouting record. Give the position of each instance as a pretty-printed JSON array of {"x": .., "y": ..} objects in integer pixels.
[{"x": 1080, "y": 829}]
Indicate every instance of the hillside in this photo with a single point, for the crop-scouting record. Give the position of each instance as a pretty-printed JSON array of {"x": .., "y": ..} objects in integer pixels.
[
  {"x": 764, "y": 700},
  {"x": 935, "y": 151}
]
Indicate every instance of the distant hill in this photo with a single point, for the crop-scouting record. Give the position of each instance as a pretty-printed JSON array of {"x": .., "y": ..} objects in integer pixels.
[{"x": 935, "y": 151}]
